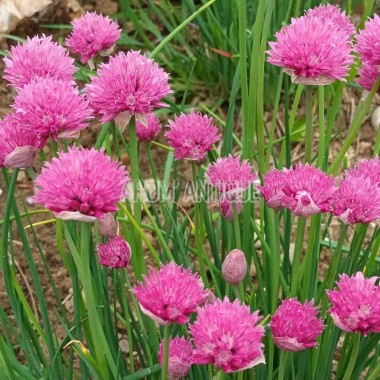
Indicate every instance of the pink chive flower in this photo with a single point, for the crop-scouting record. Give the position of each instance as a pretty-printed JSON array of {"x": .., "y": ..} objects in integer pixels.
[
  {"x": 227, "y": 205},
  {"x": 82, "y": 184},
  {"x": 38, "y": 57},
  {"x": 333, "y": 15},
  {"x": 272, "y": 187},
  {"x": 192, "y": 135},
  {"x": 295, "y": 326},
  {"x": 368, "y": 75},
  {"x": 368, "y": 169},
  {"x": 18, "y": 146},
  {"x": 93, "y": 34},
  {"x": 356, "y": 304},
  {"x": 129, "y": 84},
  {"x": 230, "y": 176},
  {"x": 170, "y": 295},
  {"x": 312, "y": 52},
  {"x": 357, "y": 200},
  {"x": 307, "y": 190},
  {"x": 148, "y": 129},
  {"x": 367, "y": 42},
  {"x": 52, "y": 107},
  {"x": 226, "y": 334},
  {"x": 116, "y": 253},
  {"x": 180, "y": 357}
]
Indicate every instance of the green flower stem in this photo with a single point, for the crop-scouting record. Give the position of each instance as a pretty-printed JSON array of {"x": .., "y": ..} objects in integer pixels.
[
  {"x": 135, "y": 174},
  {"x": 165, "y": 364},
  {"x": 101, "y": 346},
  {"x": 236, "y": 226},
  {"x": 354, "y": 355},
  {"x": 333, "y": 269},
  {"x": 283, "y": 360},
  {"x": 198, "y": 224},
  {"x": 274, "y": 242},
  {"x": 311, "y": 257},
  {"x": 321, "y": 137},
  {"x": 309, "y": 124},
  {"x": 297, "y": 255}
]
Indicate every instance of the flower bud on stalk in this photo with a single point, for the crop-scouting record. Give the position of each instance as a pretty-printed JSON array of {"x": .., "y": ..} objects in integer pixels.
[{"x": 234, "y": 267}]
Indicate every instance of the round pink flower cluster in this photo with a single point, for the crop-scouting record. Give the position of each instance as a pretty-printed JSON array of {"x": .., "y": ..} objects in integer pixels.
[
  {"x": 180, "y": 357},
  {"x": 295, "y": 326},
  {"x": 129, "y": 84},
  {"x": 191, "y": 136},
  {"x": 38, "y": 57},
  {"x": 356, "y": 304},
  {"x": 52, "y": 108},
  {"x": 82, "y": 184},
  {"x": 116, "y": 253},
  {"x": 315, "y": 49},
  {"x": 18, "y": 146},
  {"x": 93, "y": 34},
  {"x": 306, "y": 190},
  {"x": 47, "y": 103},
  {"x": 170, "y": 295},
  {"x": 231, "y": 178},
  {"x": 368, "y": 48},
  {"x": 226, "y": 334}
]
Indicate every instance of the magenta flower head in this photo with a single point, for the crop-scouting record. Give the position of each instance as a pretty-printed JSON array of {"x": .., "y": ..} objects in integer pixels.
[
  {"x": 170, "y": 295},
  {"x": 368, "y": 75},
  {"x": 148, "y": 129},
  {"x": 234, "y": 267},
  {"x": 226, "y": 334},
  {"x": 230, "y": 176},
  {"x": 357, "y": 200},
  {"x": 333, "y": 14},
  {"x": 295, "y": 326},
  {"x": 116, "y": 253},
  {"x": 93, "y": 34},
  {"x": 52, "y": 107},
  {"x": 82, "y": 184},
  {"x": 307, "y": 190},
  {"x": 367, "y": 42},
  {"x": 367, "y": 169},
  {"x": 129, "y": 84},
  {"x": 356, "y": 304},
  {"x": 18, "y": 146},
  {"x": 312, "y": 51},
  {"x": 38, "y": 57},
  {"x": 192, "y": 135},
  {"x": 272, "y": 187},
  {"x": 180, "y": 357}
]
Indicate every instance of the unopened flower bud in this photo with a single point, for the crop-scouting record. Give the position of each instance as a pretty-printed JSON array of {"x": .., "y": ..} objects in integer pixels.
[
  {"x": 108, "y": 225},
  {"x": 210, "y": 297},
  {"x": 234, "y": 267}
]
